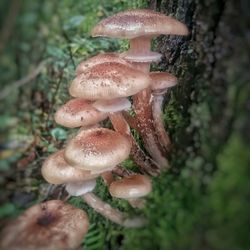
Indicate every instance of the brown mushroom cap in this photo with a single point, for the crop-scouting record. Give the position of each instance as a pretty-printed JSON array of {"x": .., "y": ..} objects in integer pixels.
[
  {"x": 141, "y": 22},
  {"x": 133, "y": 186},
  {"x": 78, "y": 112},
  {"x": 97, "y": 149},
  {"x": 162, "y": 81},
  {"x": 100, "y": 58},
  {"x": 51, "y": 225},
  {"x": 109, "y": 81},
  {"x": 56, "y": 170}
]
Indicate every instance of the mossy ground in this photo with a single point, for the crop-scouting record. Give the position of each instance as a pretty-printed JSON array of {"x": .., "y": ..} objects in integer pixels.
[{"x": 202, "y": 203}]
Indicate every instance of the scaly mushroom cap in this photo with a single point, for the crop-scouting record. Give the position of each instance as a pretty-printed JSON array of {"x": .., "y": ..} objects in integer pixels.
[
  {"x": 78, "y": 112},
  {"x": 162, "y": 81},
  {"x": 135, "y": 23},
  {"x": 109, "y": 81},
  {"x": 100, "y": 58},
  {"x": 51, "y": 225},
  {"x": 97, "y": 149},
  {"x": 56, "y": 170},
  {"x": 133, "y": 186}
]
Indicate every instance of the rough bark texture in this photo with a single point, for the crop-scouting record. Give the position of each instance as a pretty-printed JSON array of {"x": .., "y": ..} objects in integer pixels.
[{"x": 207, "y": 63}]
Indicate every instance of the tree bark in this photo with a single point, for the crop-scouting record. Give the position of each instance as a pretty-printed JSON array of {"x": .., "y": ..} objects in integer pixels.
[{"x": 207, "y": 64}]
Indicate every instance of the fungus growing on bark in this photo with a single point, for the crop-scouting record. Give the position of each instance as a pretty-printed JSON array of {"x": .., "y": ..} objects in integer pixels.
[
  {"x": 101, "y": 88},
  {"x": 51, "y": 225},
  {"x": 140, "y": 26}
]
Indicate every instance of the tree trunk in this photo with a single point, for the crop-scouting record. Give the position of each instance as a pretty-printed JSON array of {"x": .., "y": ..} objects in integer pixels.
[{"x": 208, "y": 64}]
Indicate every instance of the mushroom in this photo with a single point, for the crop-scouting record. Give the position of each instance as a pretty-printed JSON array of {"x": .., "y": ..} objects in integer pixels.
[
  {"x": 78, "y": 112},
  {"x": 131, "y": 188},
  {"x": 140, "y": 26},
  {"x": 100, "y": 58},
  {"x": 109, "y": 83},
  {"x": 56, "y": 170},
  {"x": 161, "y": 82},
  {"x": 50, "y": 225},
  {"x": 81, "y": 183},
  {"x": 84, "y": 189},
  {"x": 97, "y": 149}
]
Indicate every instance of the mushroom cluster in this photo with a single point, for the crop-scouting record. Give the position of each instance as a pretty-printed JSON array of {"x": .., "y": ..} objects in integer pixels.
[{"x": 119, "y": 87}]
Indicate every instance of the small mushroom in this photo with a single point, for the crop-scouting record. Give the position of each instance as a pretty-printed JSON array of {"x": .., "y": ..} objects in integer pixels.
[
  {"x": 97, "y": 149},
  {"x": 161, "y": 82},
  {"x": 131, "y": 188},
  {"x": 78, "y": 112},
  {"x": 85, "y": 189},
  {"x": 52, "y": 225}
]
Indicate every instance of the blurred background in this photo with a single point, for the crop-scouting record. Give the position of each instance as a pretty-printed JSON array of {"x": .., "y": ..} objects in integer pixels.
[{"x": 203, "y": 202}]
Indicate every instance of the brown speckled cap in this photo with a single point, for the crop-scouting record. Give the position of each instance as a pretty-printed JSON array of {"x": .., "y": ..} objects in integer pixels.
[
  {"x": 100, "y": 58},
  {"x": 52, "y": 225},
  {"x": 133, "y": 186},
  {"x": 109, "y": 81},
  {"x": 162, "y": 81},
  {"x": 97, "y": 149},
  {"x": 56, "y": 170},
  {"x": 141, "y": 22},
  {"x": 78, "y": 112}
]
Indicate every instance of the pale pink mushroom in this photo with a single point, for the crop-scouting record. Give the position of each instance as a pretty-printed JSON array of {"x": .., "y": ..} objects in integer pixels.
[{"x": 52, "y": 225}]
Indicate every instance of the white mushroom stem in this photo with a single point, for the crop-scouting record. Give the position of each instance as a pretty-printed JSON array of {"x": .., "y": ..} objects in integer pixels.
[
  {"x": 146, "y": 164},
  {"x": 110, "y": 213},
  {"x": 163, "y": 136}
]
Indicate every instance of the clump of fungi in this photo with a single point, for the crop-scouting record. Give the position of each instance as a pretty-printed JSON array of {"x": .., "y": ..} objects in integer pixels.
[{"x": 101, "y": 90}]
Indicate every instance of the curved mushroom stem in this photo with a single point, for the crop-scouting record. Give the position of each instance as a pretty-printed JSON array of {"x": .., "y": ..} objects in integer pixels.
[
  {"x": 112, "y": 214},
  {"x": 163, "y": 136},
  {"x": 142, "y": 106},
  {"x": 146, "y": 164}
]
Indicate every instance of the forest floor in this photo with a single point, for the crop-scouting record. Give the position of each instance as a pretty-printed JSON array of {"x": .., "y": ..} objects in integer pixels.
[{"x": 201, "y": 203}]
